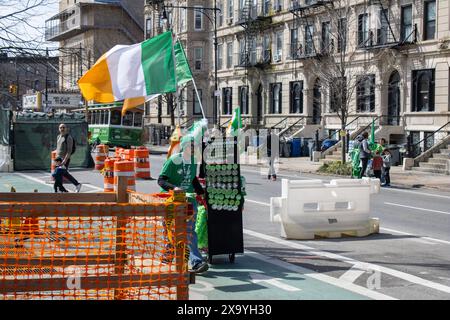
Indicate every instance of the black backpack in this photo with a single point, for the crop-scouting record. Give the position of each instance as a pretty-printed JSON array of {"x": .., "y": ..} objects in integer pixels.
[{"x": 74, "y": 144}]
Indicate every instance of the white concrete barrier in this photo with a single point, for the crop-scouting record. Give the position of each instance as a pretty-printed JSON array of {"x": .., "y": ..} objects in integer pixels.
[{"x": 310, "y": 208}]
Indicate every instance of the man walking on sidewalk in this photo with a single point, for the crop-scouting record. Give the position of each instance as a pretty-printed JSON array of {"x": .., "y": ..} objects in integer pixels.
[{"x": 65, "y": 147}]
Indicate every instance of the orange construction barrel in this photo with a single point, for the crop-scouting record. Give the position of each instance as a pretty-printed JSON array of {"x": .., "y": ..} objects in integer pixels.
[
  {"x": 142, "y": 163},
  {"x": 108, "y": 174},
  {"x": 125, "y": 168},
  {"x": 100, "y": 156}
]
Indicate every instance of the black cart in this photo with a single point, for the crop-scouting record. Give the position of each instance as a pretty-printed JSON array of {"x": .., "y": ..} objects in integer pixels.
[{"x": 225, "y": 200}]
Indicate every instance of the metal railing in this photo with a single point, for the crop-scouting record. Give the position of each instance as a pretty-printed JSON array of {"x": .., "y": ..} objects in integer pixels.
[
  {"x": 415, "y": 149},
  {"x": 254, "y": 58},
  {"x": 275, "y": 126}
]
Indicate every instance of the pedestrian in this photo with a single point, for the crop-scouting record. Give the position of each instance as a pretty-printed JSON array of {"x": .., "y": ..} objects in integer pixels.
[
  {"x": 270, "y": 157},
  {"x": 60, "y": 172},
  {"x": 387, "y": 167},
  {"x": 179, "y": 173},
  {"x": 65, "y": 147},
  {"x": 364, "y": 153},
  {"x": 377, "y": 165}
]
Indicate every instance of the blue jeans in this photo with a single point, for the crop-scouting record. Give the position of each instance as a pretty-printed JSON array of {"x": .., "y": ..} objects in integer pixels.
[{"x": 195, "y": 256}]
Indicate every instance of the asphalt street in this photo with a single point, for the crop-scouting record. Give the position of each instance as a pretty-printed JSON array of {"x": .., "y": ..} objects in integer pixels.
[{"x": 408, "y": 259}]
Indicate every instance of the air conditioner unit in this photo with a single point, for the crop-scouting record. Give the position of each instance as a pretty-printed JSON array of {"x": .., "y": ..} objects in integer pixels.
[
  {"x": 277, "y": 8},
  {"x": 229, "y": 21},
  {"x": 277, "y": 57}
]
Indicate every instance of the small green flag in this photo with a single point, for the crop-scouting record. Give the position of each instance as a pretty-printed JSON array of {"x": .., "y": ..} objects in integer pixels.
[
  {"x": 372, "y": 133},
  {"x": 235, "y": 123}
]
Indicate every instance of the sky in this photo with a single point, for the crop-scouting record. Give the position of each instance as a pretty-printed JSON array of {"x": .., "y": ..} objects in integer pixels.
[{"x": 33, "y": 28}]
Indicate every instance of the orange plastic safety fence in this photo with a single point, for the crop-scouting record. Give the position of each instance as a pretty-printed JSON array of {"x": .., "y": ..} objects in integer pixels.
[{"x": 93, "y": 251}]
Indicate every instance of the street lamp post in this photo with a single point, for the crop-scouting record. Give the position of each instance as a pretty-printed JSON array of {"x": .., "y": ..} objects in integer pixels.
[{"x": 216, "y": 113}]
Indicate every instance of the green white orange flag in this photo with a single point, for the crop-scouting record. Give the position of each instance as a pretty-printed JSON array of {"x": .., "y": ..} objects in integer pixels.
[
  {"x": 136, "y": 73},
  {"x": 183, "y": 75},
  {"x": 235, "y": 123}
]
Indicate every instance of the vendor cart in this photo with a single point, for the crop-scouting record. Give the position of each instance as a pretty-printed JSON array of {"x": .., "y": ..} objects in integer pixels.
[{"x": 224, "y": 199}]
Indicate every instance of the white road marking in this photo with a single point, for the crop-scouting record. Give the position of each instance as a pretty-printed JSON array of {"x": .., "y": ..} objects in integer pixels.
[
  {"x": 258, "y": 202},
  {"x": 352, "y": 274},
  {"x": 275, "y": 282},
  {"x": 410, "y": 234},
  {"x": 415, "y": 208},
  {"x": 418, "y": 238},
  {"x": 363, "y": 265},
  {"x": 26, "y": 176},
  {"x": 321, "y": 277},
  {"x": 417, "y": 192}
]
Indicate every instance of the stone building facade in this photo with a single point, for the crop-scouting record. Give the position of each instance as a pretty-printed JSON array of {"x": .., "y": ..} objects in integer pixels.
[
  {"x": 86, "y": 29},
  {"x": 269, "y": 52}
]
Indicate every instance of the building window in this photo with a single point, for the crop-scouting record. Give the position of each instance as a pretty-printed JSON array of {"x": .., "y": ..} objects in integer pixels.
[
  {"x": 423, "y": 90},
  {"x": 230, "y": 9},
  {"x": 242, "y": 52},
  {"x": 198, "y": 17},
  {"x": 429, "y": 17},
  {"x": 279, "y": 47},
  {"x": 197, "y": 109},
  {"x": 266, "y": 48},
  {"x": 382, "y": 32},
  {"x": 309, "y": 44},
  {"x": 219, "y": 56},
  {"x": 137, "y": 119},
  {"x": 406, "y": 28},
  {"x": 363, "y": 29},
  {"x": 243, "y": 99},
  {"x": 252, "y": 47},
  {"x": 183, "y": 13},
  {"x": 229, "y": 55},
  {"x": 198, "y": 57},
  {"x": 220, "y": 14},
  {"x": 275, "y": 98},
  {"x": 227, "y": 94},
  {"x": 326, "y": 30},
  {"x": 296, "y": 97},
  {"x": 294, "y": 43},
  {"x": 148, "y": 28},
  {"x": 342, "y": 34},
  {"x": 365, "y": 90}
]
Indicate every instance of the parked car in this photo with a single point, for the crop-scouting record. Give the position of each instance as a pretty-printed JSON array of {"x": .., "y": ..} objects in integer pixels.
[{"x": 328, "y": 143}]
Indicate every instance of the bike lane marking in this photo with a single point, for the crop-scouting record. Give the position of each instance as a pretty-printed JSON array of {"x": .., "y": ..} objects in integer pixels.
[{"x": 254, "y": 276}]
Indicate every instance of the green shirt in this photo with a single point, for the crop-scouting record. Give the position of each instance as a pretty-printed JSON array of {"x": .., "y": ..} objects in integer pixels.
[{"x": 179, "y": 173}]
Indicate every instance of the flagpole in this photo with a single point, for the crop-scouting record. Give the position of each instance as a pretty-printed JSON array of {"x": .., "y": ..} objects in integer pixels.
[{"x": 177, "y": 93}]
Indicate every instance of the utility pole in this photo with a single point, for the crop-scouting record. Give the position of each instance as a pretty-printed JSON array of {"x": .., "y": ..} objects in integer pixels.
[
  {"x": 46, "y": 79},
  {"x": 216, "y": 57}
]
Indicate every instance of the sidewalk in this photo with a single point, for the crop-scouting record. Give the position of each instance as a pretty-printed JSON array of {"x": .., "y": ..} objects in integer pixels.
[{"x": 399, "y": 178}]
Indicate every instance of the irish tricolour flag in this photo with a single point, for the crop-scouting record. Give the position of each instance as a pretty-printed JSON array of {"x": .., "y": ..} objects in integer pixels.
[{"x": 136, "y": 72}]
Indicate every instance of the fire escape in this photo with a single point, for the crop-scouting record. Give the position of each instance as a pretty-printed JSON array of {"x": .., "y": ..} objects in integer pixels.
[
  {"x": 254, "y": 17},
  {"x": 386, "y": 34},
  {"x": 304, "y": 14}
]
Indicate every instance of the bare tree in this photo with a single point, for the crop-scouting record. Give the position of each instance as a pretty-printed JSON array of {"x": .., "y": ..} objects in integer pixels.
[
  {"x": 21, "y": 30},
  {"x": 338, "y": 64}
]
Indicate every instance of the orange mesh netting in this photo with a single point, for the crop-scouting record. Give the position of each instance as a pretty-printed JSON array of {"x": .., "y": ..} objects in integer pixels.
[{"x": 93, "y": 250}]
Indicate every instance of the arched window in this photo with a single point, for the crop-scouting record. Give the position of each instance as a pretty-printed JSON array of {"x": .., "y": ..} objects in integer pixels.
[
  {"x": 243, "y": 99},
  {"x": 296, "y": 97},
  {"x": 275, "y": 98},
  {"x": 227, "y": 100},
  {"x": 394, "y": 99},
  {"x": 423, "y": 90}
]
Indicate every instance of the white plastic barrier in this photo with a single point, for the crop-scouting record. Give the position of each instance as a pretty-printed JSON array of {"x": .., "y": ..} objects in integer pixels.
[{"x": 309, "y": 208}]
